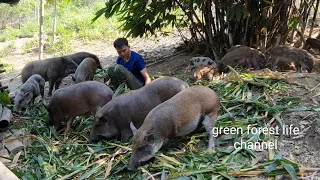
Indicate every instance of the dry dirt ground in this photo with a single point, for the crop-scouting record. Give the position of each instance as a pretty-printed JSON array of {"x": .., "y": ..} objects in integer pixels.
[{"x": 162, "y": 58}]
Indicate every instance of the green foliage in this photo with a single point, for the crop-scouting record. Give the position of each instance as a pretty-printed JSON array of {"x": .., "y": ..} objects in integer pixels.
[
  {"x": 61, "y": 47},
  {"x": 5, "y": 51},
  {"x": 237, "y": 12},
  {"x": 27, "y": 48},
  {"x": 73, "y": 22},
  {"x": 4, "y": 97},
  {"x": 6, "y": 66},
  {"x": 141, "y": 18}
]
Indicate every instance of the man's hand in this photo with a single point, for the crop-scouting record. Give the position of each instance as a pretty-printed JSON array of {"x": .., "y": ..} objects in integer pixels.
[
  {"x": 146, "y": 76},
  {"x": 108, "y": 82}
]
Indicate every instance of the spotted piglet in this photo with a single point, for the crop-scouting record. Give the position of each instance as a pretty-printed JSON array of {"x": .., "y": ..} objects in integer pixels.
[{"x": 200, "y": 61}]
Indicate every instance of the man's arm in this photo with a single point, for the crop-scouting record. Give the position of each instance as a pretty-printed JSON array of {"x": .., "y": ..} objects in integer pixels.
[
  {"x": 145, "y": 75},
  {"x": 108, "y": 82}
]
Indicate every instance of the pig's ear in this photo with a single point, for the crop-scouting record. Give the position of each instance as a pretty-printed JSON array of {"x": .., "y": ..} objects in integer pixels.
[
  {"x": 98, "y": 109},
  {"x": 28, "y": 96},
  {"x": 149, "y": 138},
  {"x": 133, "y": 128},
  {"x": 87, "y": 78},
  {"x": 66, "y": 60},
  {"x": 73, "y": 78}
]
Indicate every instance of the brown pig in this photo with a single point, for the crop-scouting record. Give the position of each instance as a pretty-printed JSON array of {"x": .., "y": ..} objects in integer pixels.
[
  {"x": 79, "y": 99},
  {"x": 52, "y": 70},
  {"x": 178, "y": 116},
  {"x": 114, "y": 118},
  {"x": 203, "y": 73},
  {"x": 85, "y": 71},
  {"x": 301, "y": 58},
  {"x": 312, "y": 43},
  {"x": 242, "y": 56}
]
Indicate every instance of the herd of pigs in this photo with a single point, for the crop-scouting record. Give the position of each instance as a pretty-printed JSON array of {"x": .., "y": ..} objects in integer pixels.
[
  {"x": 165, "y": 108},
  {"x": 279, "y": 57}
]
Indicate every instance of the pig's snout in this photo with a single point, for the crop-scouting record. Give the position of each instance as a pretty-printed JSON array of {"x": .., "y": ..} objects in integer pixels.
[
  {"x": 16, "y": 108},
  {"x": 91, "y": 141},
  {"x": 133, "y": 166}
]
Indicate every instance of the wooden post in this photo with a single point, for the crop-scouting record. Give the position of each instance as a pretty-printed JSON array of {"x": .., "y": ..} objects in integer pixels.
[
  {"x": 41, "y": 33},
  {"x": 5, "y": 118},
  {"x": 6, "y": 174}
]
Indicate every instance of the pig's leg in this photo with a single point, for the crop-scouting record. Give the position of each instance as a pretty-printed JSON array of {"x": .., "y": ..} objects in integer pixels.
[
  {"x": 210, "y": 75},
  {"x": 57, "y": 84},
  {"x": 51, "y": 83},
  {"x": 125, "y": 134},
  {"x": 69, "y": 122},
  {"x": 57, "y": 118},
  {"x": 208, "y": 125},
  {"x": 255, "y": 63},
  {"x": 274, "y": 64},
  {"x": 42, "y": 93},
  {"x": 298, "y": 67}
]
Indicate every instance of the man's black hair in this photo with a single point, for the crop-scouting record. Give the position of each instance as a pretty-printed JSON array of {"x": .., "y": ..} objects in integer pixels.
[{"x": 120, "y": 42}]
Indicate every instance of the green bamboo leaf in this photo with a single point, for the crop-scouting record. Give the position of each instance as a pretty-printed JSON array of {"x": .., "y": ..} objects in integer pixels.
[
  {"x": 40, "y": 160},
  {"x": 191, "y": 172},
  {"x": 199, "y": 177},
  {"x": 4, "y": 97},
  {"x": 163, "y": 174},
  {"x": 232, "y": 14},
  {"x": 299, "y": 109},
  {"x": 272, "y": 166},
  {"x": 279, "y": 155},
  {"x": 238, "y": 12},
  {"x": 98, "y": 14},
  {"x": 120, "y": 90},
  {"x": 116, "y": 7},
  {"x": 290, "y": 170},
  {"x": 226, "y": 176},
  {"x": 251, "y": 153},
  {"x": 168, "y": 159},
  {"x": 182, "y": 178},
  {"x": 279, "y": 120},
  {"x": 91, "y": 172}
]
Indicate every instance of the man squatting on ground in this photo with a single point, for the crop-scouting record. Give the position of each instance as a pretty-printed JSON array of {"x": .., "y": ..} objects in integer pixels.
[{"x": 130, "y": 67}]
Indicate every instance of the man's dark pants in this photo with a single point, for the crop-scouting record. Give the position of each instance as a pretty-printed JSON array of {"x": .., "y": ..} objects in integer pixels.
[{"x": 119, "y": 74}]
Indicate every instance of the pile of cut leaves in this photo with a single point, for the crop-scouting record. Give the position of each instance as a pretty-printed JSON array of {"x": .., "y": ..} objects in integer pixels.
[{"x": 246, "y": 99}]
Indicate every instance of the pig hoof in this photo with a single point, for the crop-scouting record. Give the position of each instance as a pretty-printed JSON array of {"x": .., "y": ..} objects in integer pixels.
[
  {"x": 134, "y": 169},
  {"x": 210, "y": 150}
]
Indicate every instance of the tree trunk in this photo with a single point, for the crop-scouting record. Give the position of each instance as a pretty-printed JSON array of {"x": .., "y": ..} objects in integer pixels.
[
  {"x": 314, "y": 17},
  {"x": 41, "y": 33},
  {"x": 307, "y": 7},
  {"x": 54, "y": 20}
]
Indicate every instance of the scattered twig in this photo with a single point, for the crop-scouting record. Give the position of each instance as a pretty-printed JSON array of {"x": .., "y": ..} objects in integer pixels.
[
  {"x": 153, "y": 175},
  {"x": 314, "y": 88},
  {"x": 150, "y": 175},
  {"x": 124, "y": 147}
]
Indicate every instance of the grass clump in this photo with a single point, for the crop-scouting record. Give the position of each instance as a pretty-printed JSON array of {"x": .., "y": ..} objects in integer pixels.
[
  {"x": 60, "y": 47},
  {"x": 7, "y": 50},
  {"x": 30, "y": 45},
  {"x": 73, "y": 23}
]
